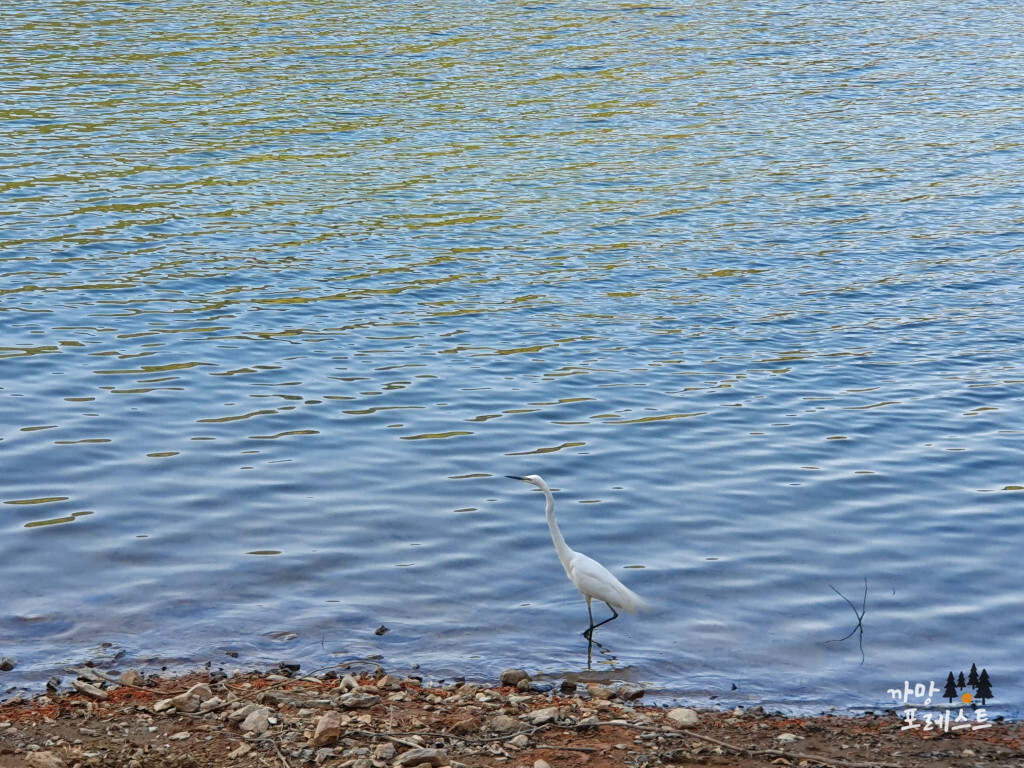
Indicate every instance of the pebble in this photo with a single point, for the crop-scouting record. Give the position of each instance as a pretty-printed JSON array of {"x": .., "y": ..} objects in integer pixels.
[
  {"x": 384, "y": 752},
  {"x": 328, "y": 730},
  {"x": 7, "y": 664},
  {"x": 243, "y": 749},
  {"x": 787, "y": 738},
  {"x": 631, "y": 691},
  {"x": 543, "y": 716},
  {"x": 180, "y": 736},
  {"x": 239, "y": 714},
  {"x": 389, "y": 683},
  {"x": 599, "y": 691},
  {"x": 682, "y": 717},
  {"x": 420, "y": 755},
  {"x": 358, "y": 700},
  {"x": 513, "y": 676},
  {"x": 465, "y": 727},
  {"x": 541, "y": 764},
  {"x": 90, "y": 690},
  {"x": 131, "y": 678},
  {"x": 43, "y": 760},
  {"x": 257, "y": 721},
  {"x": 503, "y": 724},
  {"x": 521, "y": 741}
]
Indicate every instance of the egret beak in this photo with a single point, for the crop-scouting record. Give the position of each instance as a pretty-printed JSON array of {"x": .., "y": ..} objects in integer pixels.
[{"x": 515, "y": 477}]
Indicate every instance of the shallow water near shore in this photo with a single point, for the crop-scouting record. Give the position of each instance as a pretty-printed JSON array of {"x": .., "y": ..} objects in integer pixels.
[{"x": 287, "y": 289}]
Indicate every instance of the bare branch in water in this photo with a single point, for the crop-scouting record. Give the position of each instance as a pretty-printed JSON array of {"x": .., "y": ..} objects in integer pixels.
[{"x": 858, "y": 614}]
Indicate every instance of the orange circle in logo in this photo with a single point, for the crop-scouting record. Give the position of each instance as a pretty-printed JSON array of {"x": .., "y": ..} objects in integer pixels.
[{"x": 967, "y": 698}]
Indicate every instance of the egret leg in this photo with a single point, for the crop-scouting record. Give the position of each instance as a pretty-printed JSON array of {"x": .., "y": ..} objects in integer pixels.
[
  {"x": 589, "y": 633},
  {"x": 590, "y": 612},
  {"x": 613, "y": 617}
]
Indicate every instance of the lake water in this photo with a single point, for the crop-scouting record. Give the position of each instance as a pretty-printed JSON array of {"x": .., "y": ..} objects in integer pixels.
[{"x": 287, "y": 289}]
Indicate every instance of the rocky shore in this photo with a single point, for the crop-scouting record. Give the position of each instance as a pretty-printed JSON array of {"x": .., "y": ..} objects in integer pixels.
[{"x": 362, "y": 717}]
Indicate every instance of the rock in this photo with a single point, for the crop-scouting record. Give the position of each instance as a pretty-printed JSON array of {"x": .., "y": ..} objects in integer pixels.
[
  {"x": 211, "y": 704},
  {"x": 326, "y": 753},
  {"x": 236, "y": 715},
  {"x": 543, "y": 716},
  {"x": 521, "y": 741},
  {"x": 787, "y": 738},
  {"x": 180, "y": 736},
  {"x": 43, "y": 760},
  {"x": 503, "y": 724},
  {"x": 188, "y": 702},
  {"x": 513, "y": 676},
  {"x": 90, "y": 690},
  {"x": 384, "y": 752},
  {"x": 567, "y": 688},
  {"x": 420, "y": 755},
  {"x": 599, "y": 692},
  {"x": 328, "y": 730},
  {"x": 243, "y": 749},
  {"x": 131, "y": 678},
  {"x": 7, "y": 664},
  {"x": 348, "y": 683},
  {"x": 631, "y": 691},
  {"x": 389, "y": 683},
  {"x": 257, "y": 721},
  {"x": 465, "y": 727},
  {"x": 356, "y": 700},
  {"x": 524, "y": 685},
  {"x": 682, "y": 717},
  {"x": 541, "y": 764}
]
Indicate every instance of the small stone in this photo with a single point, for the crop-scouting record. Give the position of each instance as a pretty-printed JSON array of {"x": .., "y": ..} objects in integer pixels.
[
  {"x": 543, "y": 716},
  {"x": 389, "y": 683},
  {"x": 326, "y": 753},
  {"x": 631, "y": 691},
  {"x": 503, "y": 724},
  {"x": 328, "y": 730},
  {"x": 257, "y": 721},
  {"x": 90, "y": 690},
  {"x": 599, "y": 692},
  {"x": 348, "y": 683},
  {"x": 513, "y": 676},
  {"x": 541, "y": 764},
  {"x": 420, "y": 755},
  {"x": 236, "y": 715},
  {"x": 243, "y": 749},
  {"x": 567, "y": 688},
  {"x": 465, "y": 727},
  {"x": 682, "y": 717},
  {"x": 787, "y": 738},
  {"x": 521, "y": 741},
  {"x": 384, "y": 752},
  {"x": 211, "y": 704},
  {"x": 7, "y": 664},
  {"x": 524, "y": 685},
  {"x": 43, "y": 760},
  {"x": 131, "y": 678},
  {"x": 357, "y": 700},
  {"x": 180, "y": 736}
]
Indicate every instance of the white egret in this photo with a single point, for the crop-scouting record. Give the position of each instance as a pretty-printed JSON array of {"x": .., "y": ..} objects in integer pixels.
[{"x": 591, "y": 578}]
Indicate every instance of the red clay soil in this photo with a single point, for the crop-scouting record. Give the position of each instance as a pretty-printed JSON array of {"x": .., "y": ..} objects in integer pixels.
[{"x": 272, "y": 720}]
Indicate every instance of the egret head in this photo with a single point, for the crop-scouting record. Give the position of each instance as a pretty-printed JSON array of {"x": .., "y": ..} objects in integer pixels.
[{"x": 531, "y": 479}]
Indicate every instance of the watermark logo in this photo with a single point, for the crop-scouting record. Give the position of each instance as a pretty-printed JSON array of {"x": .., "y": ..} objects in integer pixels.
[{"x": 921, "y": 695}]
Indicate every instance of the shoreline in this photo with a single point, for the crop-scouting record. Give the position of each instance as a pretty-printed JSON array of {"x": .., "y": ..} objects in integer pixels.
[{"x": 358, "y": 716}]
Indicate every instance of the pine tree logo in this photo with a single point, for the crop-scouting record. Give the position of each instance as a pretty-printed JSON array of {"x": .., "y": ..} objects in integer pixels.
[{"x": 981, "y": 684}]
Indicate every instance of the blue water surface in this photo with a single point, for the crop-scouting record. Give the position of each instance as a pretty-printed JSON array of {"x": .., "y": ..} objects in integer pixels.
[{"x": 286, "y": 290}]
